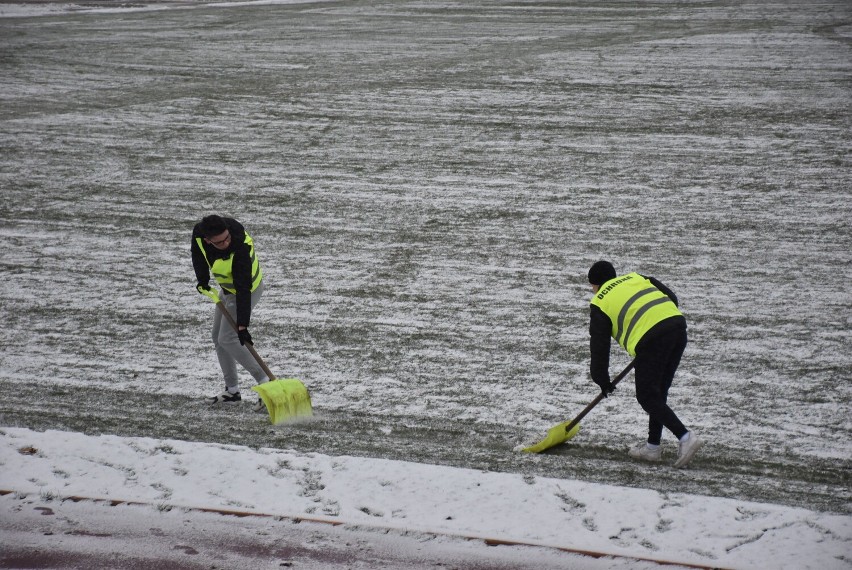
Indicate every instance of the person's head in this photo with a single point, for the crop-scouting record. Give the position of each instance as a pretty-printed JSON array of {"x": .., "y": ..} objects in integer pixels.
[
  {"x": 215, "y": 231},
  {"x": 601, "y": 272}
]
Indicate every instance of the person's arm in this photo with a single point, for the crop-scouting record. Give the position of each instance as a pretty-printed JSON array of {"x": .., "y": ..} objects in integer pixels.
[
  {"x": 600, "y": 331},
  {"x": 241, "y": 268},
  {"x": 662, "y": 287},
  {"x": 199, "y": 263},
  {"x": 241, "y": 271}
]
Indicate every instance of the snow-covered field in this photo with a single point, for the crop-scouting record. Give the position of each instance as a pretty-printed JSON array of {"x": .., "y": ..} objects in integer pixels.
[{"x": 427, "y": 183}]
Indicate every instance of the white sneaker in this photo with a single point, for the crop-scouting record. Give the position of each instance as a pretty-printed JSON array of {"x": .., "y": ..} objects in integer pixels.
[
  {"x": 686, "y": 450},
  {"x": 225, "y": 398},
  {"x": 259, "y": 406},
  {"x": 645, "y": 453}
]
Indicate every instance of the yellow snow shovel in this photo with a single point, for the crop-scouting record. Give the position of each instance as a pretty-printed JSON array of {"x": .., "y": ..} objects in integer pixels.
[
  {"x": 566, "y": 430},
  {"x": 284, "y": 399}
]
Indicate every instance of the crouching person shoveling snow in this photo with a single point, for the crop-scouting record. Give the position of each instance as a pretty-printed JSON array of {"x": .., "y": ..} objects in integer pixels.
[
  {"x": 221, "y": 245},
  {"x": 642, "y": 315}
]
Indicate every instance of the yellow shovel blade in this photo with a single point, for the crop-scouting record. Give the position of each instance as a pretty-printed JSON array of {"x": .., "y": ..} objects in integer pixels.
[
  {"x": 555, "y": 436},
  {"x": 285, "y": 399}
]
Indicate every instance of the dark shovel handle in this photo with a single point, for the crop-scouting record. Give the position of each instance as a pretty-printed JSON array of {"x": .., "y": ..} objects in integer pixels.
[{"x": 600, "y": 397}]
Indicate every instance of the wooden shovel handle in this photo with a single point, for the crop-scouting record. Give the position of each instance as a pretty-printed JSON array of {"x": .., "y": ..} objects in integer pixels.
[{"x": 249, "y": 346}]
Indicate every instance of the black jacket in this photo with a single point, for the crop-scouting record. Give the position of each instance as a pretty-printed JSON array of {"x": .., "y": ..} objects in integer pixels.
[
  {"x": 241, "y": 265},
  {"x": 600, "y": 331}
]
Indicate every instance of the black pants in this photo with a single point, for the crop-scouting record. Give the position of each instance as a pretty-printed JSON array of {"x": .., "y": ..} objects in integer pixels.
[{"x": 657, "y": 360}]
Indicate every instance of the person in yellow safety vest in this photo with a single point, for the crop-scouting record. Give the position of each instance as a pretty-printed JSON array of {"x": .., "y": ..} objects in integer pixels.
[
  {"x": 222, "y": 247},
  {"x": 642, "y": 315}
]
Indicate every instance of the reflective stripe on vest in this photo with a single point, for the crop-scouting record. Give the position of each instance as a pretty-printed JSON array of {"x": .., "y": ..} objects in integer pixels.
[
  {"x": 634, "y": 306},
  {"x": 222, "y": 269}
]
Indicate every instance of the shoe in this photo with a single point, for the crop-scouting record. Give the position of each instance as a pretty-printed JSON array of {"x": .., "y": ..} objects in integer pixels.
[
  {"x": 645, "y": 453},
  {"x": 259, "y": 406},
  {"x": 226, "y": 398},
  {"x": 686, "y": 450}
]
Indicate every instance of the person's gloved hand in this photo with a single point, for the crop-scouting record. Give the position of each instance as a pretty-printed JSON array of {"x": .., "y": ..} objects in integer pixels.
[
  {"x": 245, "y": 337},
  {"x": 606, "y": 388},
  {"x": 207, "y": 291}
]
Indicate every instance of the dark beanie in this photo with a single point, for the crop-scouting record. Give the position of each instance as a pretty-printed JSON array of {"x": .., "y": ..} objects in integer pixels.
[
  {"x": 601, "y": 272},
  {"x": 212, "y": 226}
]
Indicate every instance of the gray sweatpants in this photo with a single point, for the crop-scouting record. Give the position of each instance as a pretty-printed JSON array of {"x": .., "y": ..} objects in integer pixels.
[{"x": 227, "y": 343}]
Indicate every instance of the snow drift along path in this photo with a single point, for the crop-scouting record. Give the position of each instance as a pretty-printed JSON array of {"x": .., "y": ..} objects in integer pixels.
[{"x": 427, "y": 499}]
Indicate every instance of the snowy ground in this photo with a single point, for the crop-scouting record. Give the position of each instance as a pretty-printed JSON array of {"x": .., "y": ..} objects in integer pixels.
[
  {"x": 431, "y": 503},
  {"x": 427, "y": 183}
]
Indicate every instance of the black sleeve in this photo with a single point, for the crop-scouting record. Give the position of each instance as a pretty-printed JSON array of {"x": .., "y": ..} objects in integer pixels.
[
  {"x": 600, "y": 332},
  {"x": 242, "y": 284},
  {"x": 662, "y": 287},
  {"x": 199, "y": 263},
  {"x": 241, "y": 269}
]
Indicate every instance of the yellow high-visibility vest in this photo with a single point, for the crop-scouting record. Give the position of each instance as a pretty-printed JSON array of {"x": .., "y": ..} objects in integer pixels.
[
  {"x": 634, "y": 306},
  {"x": 223, "y": 269}
]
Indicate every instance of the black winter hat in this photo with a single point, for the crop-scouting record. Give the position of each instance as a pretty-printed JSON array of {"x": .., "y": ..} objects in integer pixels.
[
  {"x": 212, "y": 225},
  {"x": 601, "y": 272}
]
